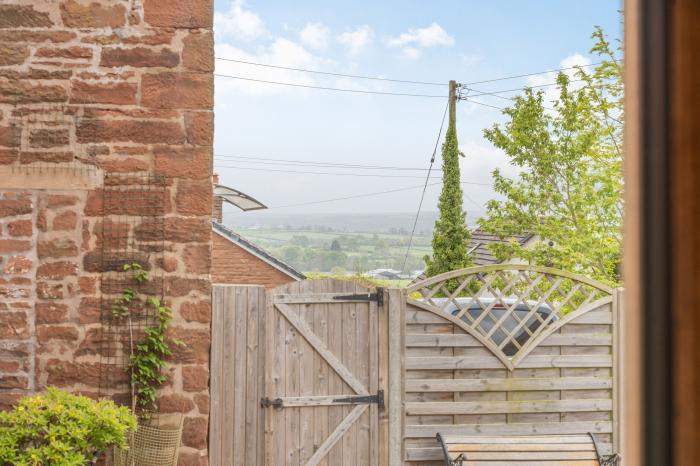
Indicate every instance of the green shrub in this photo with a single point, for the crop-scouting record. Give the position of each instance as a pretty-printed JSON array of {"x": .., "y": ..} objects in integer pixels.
[{"x": 60, "y": 429}]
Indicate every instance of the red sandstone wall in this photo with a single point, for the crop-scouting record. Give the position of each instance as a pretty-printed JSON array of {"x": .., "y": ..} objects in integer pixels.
[
  {"x": 233, "y": 265},
  {"x": 140, "y": 74}
]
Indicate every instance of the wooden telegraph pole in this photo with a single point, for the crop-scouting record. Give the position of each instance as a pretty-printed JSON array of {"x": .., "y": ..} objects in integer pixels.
[{"x": 452, "y": 104}]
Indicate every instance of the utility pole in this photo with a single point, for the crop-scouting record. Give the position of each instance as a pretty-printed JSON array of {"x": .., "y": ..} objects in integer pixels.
[{"x": 453, "y": 105}]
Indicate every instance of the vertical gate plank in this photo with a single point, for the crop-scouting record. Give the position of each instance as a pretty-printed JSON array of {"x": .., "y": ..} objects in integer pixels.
[
  {"x": 276, "y": 435},
  {"x": 240, "y": 372},
  {"x": 215, "y": 371},
  {"x": 383, "y": 373},
  {"x": 228, "y": 321},
  {"x": 321, "y": 430},
  {"x": 350, "y": 360},
  {"x": 373, "y": 369},
  {"x": 292, "y": 389},
  {"x": 335, "y": 344},
  {"x": 251, "y": 408},
  {"x": 306, "y": 384},
  {"x": 397, "y": 329},
  {"x": 363, "y": 355},
  {"x": 262, "y": 371}
]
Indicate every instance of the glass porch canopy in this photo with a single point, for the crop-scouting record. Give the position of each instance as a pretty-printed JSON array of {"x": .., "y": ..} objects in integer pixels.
[{"x": 237, "y": 198}]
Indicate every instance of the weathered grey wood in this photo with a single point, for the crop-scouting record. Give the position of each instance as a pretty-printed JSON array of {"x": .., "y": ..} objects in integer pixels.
[
  {"x": 321, "y": 348},
  {"x": 329, "y": 351},
  {"x": 240, "y": 374},
  {"x": 383, "y": 380},
  {"x": 397, "y": 326},
  {"x": 507, "y": 407},
  {"x": 435, "y": 454},
  {"x": 314, "y": 298},
  {"x": 466, "y": 340},
  {"x": 236, "y": 374},
  {"x": 426, "y": 430},
  {"x": 617, "y": 307},
  {"x": 531, "y": 362},
  {"x": 503, "y": 385},
  {"x": 216, "y": 376},
  {"x": 336, "y": 435}
]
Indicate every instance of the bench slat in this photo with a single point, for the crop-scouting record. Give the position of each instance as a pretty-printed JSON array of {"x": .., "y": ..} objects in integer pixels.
[
  {"x": 523, "y": 450},
  {"x": 464, "y": 447},
  {"x": 516, "y": 439},
  {"x": 533, "y": 463},
  {"x": 518, "y": 456}
]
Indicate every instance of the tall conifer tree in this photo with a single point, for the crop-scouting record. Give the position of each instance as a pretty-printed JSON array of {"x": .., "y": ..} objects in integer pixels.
[{"x": 451, "y": 235}]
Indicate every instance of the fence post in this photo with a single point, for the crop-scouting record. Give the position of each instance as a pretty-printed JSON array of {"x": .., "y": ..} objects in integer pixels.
[
  {"x": 618, "y": 371},
  {"x": 397, "y": 349}
]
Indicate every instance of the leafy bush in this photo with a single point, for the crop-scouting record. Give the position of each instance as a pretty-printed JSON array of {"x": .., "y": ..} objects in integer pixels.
[{"x": 58, "y": 428}]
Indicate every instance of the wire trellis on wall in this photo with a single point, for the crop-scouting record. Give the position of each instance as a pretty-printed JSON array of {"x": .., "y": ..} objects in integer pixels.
[
  {"x": 132, "y": 232},
  {"x": 50, "y": 138}
]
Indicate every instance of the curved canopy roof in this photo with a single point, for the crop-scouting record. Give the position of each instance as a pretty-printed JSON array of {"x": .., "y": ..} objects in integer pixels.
[{"x": 237, "y": 198}]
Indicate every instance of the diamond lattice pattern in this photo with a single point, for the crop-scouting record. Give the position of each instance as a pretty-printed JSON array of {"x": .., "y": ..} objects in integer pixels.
[{"x": 509, "y": 308}]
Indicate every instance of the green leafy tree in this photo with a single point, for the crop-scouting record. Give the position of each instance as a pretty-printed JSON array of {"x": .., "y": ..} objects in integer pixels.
[
  {"x": 451, "y": 235},
  {"x": 569, "y": 189}
]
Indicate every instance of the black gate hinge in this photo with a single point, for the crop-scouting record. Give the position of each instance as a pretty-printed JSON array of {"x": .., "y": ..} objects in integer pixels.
[
  {"x": 378, "y": 297},
  {"x": 363, "y": 399},
  {"x": 277, "y": 403}
]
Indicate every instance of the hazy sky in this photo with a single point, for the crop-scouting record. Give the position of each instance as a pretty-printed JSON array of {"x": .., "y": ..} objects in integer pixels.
[{"x": 465, "y": 40}]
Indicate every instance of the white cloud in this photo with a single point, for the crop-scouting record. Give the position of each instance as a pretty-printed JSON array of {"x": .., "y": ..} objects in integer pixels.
[
  {"x": 356, "y": 40},
  {"x": 431, "y": 36},
  {"x": 238, "y": 24},
  {"x": 551, "y": 93},
  {"x": 315, "y": 36},
  {"x": 281, "y": 52},
  {"x": 412, "y": 53}
]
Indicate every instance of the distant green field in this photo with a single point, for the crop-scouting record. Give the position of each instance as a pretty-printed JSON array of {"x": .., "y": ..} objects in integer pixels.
[{"x": 340, "y": 251}]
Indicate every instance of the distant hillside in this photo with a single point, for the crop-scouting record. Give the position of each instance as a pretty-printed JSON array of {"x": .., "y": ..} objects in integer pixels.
[{"x": 380, "y": 222}]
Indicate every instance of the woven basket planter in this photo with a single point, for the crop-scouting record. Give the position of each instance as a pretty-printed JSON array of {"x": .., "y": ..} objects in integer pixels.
[{"x": 153, "y": 444}]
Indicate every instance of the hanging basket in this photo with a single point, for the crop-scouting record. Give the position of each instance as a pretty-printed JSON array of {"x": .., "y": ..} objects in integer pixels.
[{"x": 155, "y": 443}]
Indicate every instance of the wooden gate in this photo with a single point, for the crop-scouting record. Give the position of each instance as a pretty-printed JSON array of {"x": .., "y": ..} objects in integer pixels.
[{"x": 323, "y": 393}]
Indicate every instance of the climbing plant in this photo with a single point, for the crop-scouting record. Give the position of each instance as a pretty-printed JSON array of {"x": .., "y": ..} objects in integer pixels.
[{"x": 146, "y": 364}]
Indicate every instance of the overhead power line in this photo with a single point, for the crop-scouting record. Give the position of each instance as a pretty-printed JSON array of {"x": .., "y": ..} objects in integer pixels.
[
  {"x": 357, "y": 196},
  {"x": 324, "y": 88},
  {"x": 310, "y": 163},
  {"x": 328, "y": 73},
  {"x": 400, "y": 94},
  {"x": 377, "y": 193},
  {"x": 504, "y": 78},
  {"x": 336, "y": 173},
  {"x": 405, "y": 81},
  {"x": 427, "y": 178}
]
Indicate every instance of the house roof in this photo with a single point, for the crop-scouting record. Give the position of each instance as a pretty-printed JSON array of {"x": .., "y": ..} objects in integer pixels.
[
  {"x": 480, "y": 241},
  {"x": 257, "y": 251}
]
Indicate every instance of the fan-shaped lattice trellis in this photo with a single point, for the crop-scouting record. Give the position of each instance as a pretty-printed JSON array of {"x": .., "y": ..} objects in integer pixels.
[{"x": 510, "y": 309}]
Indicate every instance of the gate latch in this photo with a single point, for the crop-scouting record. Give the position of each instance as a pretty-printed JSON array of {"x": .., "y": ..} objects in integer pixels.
[
  {"x": 277, "y": 403},
  {"x": 363, "y": 399}
]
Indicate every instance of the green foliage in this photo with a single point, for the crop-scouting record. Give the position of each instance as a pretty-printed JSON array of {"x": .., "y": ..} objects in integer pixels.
[
  {"x": 58, "y": 428},
  {"x": 147, "y": 359},
  {"x": 451, "y": 235},
  {"x": 568, "y": 192}
]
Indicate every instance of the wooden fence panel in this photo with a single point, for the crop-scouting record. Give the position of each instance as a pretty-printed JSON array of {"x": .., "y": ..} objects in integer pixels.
[
  {"x": 236, "y": 423},
  {"x": 456, "y": 386}
]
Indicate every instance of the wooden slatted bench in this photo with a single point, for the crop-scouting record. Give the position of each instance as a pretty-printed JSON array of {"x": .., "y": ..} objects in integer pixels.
[{"x": 529, "y": 450}]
